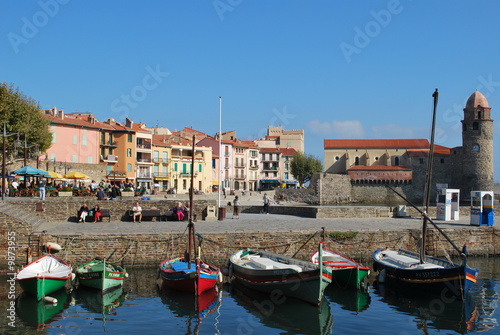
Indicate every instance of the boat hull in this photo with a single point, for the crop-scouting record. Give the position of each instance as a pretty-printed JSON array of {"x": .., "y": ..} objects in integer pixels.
[
  {"x": 449, "y": 280},
  {"x": 100, "y": 275},
  {"x": 43, "y": 276},
  {"x": 307, "y": 285},
  {"x": 195, "y": 277},
  {"x": 346, "y": 272}
]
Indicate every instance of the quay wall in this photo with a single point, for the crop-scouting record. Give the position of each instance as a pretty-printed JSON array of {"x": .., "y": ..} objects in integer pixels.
[{"x": 150, "y": 249}]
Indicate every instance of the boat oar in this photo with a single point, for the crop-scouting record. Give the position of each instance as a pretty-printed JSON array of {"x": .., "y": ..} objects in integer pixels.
[{"x": 424, "y": 214}]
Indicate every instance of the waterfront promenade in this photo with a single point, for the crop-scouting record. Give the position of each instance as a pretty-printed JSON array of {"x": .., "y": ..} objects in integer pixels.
[{"x": 248, "y": 223}]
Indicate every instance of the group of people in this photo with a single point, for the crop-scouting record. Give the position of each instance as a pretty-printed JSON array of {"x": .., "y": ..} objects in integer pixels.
[
  {"x": 179, "y": 211},
  {"x": 85, "y": 212}
]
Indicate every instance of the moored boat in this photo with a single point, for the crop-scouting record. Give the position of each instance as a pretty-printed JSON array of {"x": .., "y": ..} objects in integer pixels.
[
  {"x": 44, "y": 275},
  {"x": 346, "y": 272},
  {"x": 100, "y": 274},
  {"x": 419, "y": 271},
  {"x": 266, "y": 272},
  {"x": 186, "y": 273}
]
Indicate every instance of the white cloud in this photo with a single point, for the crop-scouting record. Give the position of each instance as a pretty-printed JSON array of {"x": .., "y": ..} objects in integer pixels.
[{"x": 337, "y": 129}]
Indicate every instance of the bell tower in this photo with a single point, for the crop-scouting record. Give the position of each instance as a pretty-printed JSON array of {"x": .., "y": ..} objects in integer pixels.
[{"x": 477, "y": 146}]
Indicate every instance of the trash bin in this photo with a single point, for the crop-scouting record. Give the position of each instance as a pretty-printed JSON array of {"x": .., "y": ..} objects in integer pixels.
[{"x": 222, "y": 213}]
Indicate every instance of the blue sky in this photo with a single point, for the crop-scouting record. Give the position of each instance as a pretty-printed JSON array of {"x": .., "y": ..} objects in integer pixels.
[{"x": 337, "y": 69}]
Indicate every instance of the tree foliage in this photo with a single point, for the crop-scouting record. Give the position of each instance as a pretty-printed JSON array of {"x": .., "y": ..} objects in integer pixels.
[
  {"x": 304, "y": 166},
  {"x": 21, "y": 114}
]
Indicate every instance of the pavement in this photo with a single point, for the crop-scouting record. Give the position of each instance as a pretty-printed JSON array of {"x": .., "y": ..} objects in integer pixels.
[{"x": 247, "y": 223}]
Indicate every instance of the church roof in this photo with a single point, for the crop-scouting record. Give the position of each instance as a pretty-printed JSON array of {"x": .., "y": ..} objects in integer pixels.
[
  {"x": 417, "y": 143},
  {"x": 476, "y": 99}
]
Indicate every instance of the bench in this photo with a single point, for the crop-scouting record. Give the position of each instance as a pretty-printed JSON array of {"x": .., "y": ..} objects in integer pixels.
[
  {"x": 105, "y": 213},
  {"x": 171, "y": 216},
  {"x": 148, "y": 213}
]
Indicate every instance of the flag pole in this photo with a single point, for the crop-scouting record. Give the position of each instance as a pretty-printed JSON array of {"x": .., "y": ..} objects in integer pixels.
[{"x": 220, "y": 152}]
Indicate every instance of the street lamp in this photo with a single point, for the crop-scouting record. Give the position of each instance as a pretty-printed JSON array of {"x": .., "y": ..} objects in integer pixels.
[
  {"x": 4, "y": 150},
  {"x": 26, "y": 146}
]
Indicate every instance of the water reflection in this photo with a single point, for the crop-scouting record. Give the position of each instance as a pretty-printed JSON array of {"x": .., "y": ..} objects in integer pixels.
[
  {"x": 434, "y": 312},
  {"x": 38, "y": 313},
  {"x": 291, "y": 315},
  {"x": 349, "y": 299}
]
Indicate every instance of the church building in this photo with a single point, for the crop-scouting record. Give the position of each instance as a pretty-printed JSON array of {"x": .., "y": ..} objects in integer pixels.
[{"x": 403, "y": 162}]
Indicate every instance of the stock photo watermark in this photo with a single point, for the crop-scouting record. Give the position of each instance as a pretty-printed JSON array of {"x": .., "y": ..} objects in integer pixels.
[
  {"x": 11, "y": 278},
  {"x": 31, "y": 26},
  {"x": 223, "y": 6},
  {"x": 364, "y": 35},
  {"x": 151, "y": 80}
]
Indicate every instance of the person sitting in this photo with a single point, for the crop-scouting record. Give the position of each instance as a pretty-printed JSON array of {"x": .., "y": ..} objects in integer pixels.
[
  {"x": 113, "y": 193},
  {"x": 179, "y": 211},
  {"x": 83, "y": 212},
  {"x": 96, "y": 211},
  {"x": 100, "y": 194},
  {"x": 137, "y": 211}
]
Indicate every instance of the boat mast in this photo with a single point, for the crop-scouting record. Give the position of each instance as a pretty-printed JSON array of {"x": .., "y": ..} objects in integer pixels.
[
  {"x": 192, "y": 244},
  {"x": 428, "y": 180}
]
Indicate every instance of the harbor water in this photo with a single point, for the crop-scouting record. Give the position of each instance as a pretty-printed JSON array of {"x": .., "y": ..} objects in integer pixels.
[{"x": 142, "y": 307}]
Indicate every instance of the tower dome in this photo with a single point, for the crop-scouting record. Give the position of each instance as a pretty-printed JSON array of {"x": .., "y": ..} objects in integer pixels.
[{"x": 476, "y": 99}]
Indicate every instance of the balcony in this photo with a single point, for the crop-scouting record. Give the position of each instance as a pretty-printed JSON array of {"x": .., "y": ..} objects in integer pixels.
[
  {"x": 239, "y": 165},
  {"x": 240, "y": 177},
  {"x": 270, "y": 168},
  {"x": 109, "y": 158},
  {"x": 143, "y": 175},
  {"x": 160, "y": 174},
  {"x": 254, "y": 167},
  {"x": 160, "y": 160},
  {"x": 115, "y": 173},
  {"x": 109, "y": 144}
]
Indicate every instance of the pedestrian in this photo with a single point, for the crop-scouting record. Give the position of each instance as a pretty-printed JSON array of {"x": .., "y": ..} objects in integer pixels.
[
  {"x": 236, "y": 208},
  {"x": 41, "y": 188},
  {"x": 267, "y": 201}
]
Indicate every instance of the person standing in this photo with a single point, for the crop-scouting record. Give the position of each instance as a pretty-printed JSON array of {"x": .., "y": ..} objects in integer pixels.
[
  {"x": 236, "y": 207},
  {"x": 137, "y": 211},
  {"x": 41, "y": 188},
  {"x": 266, "y": 200}
]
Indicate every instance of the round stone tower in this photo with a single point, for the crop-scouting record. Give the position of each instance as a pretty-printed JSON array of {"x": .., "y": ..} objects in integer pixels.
[{"x": 477, "y": 146}]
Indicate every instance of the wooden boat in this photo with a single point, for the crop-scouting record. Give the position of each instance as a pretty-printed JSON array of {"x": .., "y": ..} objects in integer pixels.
[
  {"x": 417, "y": 270},
  {"x": 184, "y": 273},
  {"x": 267, "y": 272},
  {"x": 346, "y": 272},
  {"x": 43, "y": 276},
  {"x": 100, "y": 274}
]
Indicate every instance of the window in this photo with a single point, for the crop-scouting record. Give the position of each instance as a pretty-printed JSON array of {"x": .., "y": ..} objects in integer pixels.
[
  {"x": 396, "y": 161},
  {"x": 176, "y": 167},
  {"x": 165, "y": 156},
  {"x": 356, "y": 161},
  {"x": 475, "y": 126},
  {"x": 74, "y": 159},
  {"x": 89, "y": 160},
  {"x": 84, "y": 139},
  {"x": 184, "y": 184},
  {"x": 213, "y": 163},
  {"x": 421, "y": 160},
  {"x": 442, "y": 160},
  {"x": 129, "y": 138},
  {"x": 129, "y": 167},
  {"x": 200, "y": 168},
  {"x": 184, "y": 168},
  {"x": 286, "y": 167},
  {"x": 53, "y": 157},
  {"x": 54, "y": 137},
  {"x": 156, "y": 156},
  {"x": 129, "y": 152},
  {"x": 75, "y": 139},
  {"x": 286, "y": 175},
  {"x": 337, "y": 158},
  {"x": 156, "y": 169}
]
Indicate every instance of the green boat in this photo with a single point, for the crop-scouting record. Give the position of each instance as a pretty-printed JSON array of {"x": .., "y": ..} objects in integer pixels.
[
  {"x": 43, "y": 276},
  {"x": 100, "y": 274}
]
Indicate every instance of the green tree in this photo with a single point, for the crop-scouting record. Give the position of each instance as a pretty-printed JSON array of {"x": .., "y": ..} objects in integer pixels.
[
  {"x": 21, "y": 114},
  {"x": 304, "y": 166}
]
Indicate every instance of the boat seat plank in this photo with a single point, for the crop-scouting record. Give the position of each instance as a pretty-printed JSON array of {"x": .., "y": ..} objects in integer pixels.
[{"x": 269, "y": 264}]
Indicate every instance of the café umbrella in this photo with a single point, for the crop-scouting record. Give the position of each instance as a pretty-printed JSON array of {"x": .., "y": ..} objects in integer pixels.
[
  {"x": 76, "y": 175},
  {"x": 55, "y": 175},
  {"x": 30, "y": 171}
]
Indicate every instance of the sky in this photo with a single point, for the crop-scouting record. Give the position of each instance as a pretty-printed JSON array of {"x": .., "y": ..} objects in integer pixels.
[{"x": 337, "y": 69}]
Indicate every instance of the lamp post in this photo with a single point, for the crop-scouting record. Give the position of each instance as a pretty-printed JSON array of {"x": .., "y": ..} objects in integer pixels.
[
  {"x": 26, "y": 146},
  {"x": 4, "y": 151}
]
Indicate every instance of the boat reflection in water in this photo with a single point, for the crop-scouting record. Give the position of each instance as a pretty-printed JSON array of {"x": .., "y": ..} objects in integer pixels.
[
  {"x": 355, "y": 300},
  {"x": 98, "y": 302},
  {"x": 38, "y": 313},
  {"x": 281, "y": 312},
  {"x": 187, "y": 305},
  {"x": 470, "y": 315}
]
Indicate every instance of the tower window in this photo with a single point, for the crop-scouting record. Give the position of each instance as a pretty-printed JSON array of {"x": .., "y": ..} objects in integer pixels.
[
  {"x": 337, "y": 158},
  {"x": 356, "y": 161},
  {"x": 475, "y": 126},
  {"x": 396, "y": 161},
  {"x": 442, "y": 160},
  {"x": 421, "y": 160},
  {"x": 479, "y": 114}
]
